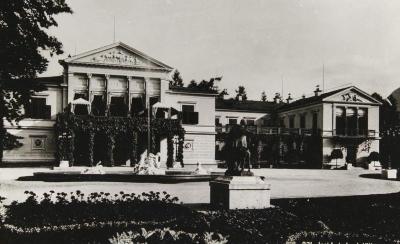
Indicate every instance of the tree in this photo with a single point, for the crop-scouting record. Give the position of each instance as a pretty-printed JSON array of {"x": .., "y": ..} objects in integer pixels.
[
  {"x": 176, "y": 79},
  {"x": 192, "y": 84},
  {"x": 241, "y": 93},
  {"x": 23, "y": 26},
  {"x": 204, "y": 85},
  {"x": 223, "y": 93},
  {"x": 263, "y": 96},
  {"x": 388, "y": 116}
]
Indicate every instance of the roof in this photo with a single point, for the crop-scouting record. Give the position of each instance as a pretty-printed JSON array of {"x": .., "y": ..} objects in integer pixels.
[
  {"x": 310, "y": 100},
  {"x": 248, "y": 105},
  {"x": 192, "y": 90},
  {"x": 113, "y": 45},
  {"x": 50, "y": 79}
]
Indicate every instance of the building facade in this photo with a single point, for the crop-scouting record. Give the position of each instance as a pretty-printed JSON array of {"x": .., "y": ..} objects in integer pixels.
[{"x": 115, "y": 80}]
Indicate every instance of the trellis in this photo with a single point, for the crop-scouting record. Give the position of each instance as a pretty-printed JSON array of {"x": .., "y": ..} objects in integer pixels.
[{"x": 68, "y": 125}]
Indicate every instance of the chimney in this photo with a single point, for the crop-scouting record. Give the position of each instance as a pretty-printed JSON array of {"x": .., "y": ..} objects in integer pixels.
[
  {"x": 317, "y": 91},
  {"x": 303, "y": 96},
  {"x": 289, "y": 98}
]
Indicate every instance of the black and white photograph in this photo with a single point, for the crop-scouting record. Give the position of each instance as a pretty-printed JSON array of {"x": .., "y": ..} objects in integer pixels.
[{"x": 199, "y": 121}]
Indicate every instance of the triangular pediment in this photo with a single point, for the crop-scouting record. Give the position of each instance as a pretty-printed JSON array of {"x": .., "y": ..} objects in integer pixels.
[
  {"x": 118, "y": 54},
  {"x": 351, "y": 95}
]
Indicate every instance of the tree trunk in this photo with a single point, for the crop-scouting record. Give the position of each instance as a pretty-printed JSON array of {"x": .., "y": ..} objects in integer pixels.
[{"x": 2, "y": 115}]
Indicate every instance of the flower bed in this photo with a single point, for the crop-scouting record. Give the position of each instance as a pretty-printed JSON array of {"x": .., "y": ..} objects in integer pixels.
[
  {"x": 155, "y": 217},
  {"x": 74, "y": 208}
]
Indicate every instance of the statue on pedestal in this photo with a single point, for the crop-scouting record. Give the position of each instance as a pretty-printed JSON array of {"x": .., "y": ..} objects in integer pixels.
[{"x": 237, "y": 152}]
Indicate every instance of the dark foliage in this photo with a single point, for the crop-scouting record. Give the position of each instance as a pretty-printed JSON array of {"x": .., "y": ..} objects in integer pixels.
[
  {"x": 376, "y": 215},
  {"x": 11, "y": 141},
  {"x": 69, "y": 126},
  {"x": 241, "y": 92},
  {"x": 23, "y": 34},
  {"x": 176, "y": 79},
  {"x": 62, "y": 208}
]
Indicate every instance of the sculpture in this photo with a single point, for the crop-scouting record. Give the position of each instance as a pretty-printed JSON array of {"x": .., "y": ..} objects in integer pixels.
[
  {"x": 237, "y": 152},
  {"x": 148, "y": 165}
]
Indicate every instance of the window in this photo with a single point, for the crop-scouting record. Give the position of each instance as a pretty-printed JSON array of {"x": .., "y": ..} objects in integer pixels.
[
  {"x": 232, "y": 121},
  {"x": 137, "y": 106},
  {"x": 315, "y": 121},
  {"x": 118, "y": 107},
  {"x": 351, "y": 121},
  {"x": 152, "y": 101},
  {"x": 291, "y": 121},
  {"x": 362, "y": 121},
  {"x": 37, "y": 109},
  {"x": 302, "y": 121},
  {"x": 340, "y": 121},
  {"x": 249, "y": 121},
  {"x": 80, "y": 109},
  {"x": 187, "y": 108},
  {"x": 189, "y": 116},
  {"x": 98, "y": 105}
]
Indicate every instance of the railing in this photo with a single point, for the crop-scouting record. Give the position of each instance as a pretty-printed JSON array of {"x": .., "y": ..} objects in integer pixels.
[
  {"x": 269, "y": 130},
  {"x": 354, "y": 133}
]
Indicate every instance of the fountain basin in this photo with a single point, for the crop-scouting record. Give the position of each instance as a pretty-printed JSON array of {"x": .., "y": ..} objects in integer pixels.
[{"x": 124, "y": 176}]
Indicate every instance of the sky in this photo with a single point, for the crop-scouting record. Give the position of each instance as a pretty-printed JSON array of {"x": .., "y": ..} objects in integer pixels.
[{"x": 260, "y": 44}]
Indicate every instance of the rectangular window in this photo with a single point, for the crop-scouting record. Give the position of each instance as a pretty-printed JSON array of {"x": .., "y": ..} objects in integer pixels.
[
  {"x": 189, "y": 116},
  {"x": 187, "y": 108},
  {"x": 302, "y": 121},
  {"x": 249, "y": 121},
  {"x": 351, "y": 122},
  {"x": 37, "y": 109},
  {"x": 137, "y": 106},
  {"x": 118, "y": 107},
  {"x": 315, "y": 121},
  {"x": 291, "y": 121},
  {"x": 98, "y": 105},
  {"x": 232, "y": 121},
  {"x": 340, "y": 115},
  {"x": 362, "y": 121}
]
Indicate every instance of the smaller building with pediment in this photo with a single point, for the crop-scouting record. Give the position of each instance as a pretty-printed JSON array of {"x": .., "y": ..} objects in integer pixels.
[{"x": 346, "y": 119}]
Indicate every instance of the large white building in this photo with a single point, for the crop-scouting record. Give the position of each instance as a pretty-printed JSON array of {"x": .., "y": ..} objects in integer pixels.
[
  {"x": 117, "y": 80},
  {"x": 114, "y": 80}
]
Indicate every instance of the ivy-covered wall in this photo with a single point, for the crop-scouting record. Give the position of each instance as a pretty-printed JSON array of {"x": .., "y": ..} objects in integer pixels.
[{"x": 68, "y": 126}]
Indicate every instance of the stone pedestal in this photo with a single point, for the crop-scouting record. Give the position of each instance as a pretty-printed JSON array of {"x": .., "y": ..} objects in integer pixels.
[
  {"x": 240, "y": 192},
  {"x": 389, "y": 173}
]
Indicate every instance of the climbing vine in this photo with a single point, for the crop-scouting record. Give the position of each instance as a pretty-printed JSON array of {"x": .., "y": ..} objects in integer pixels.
[{"x": 67, "y": 125}]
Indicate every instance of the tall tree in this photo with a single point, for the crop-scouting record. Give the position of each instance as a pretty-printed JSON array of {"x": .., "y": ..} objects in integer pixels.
[
  {"x": 223, "y": 93},
  {"x": 241, "y": 93},
  {"x": 23, "y": 39},
  {"x": 176, "y": 79},
  {"x": 388, "y": 115},
  {"x": 263, "y": 96}
]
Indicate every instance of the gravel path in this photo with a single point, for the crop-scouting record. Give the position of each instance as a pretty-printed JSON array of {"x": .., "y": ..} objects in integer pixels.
[{"x": 285, "y": 183}]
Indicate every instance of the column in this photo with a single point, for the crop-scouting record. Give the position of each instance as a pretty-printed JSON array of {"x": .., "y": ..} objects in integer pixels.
[
  {"x": 146, "y": 90},
  {"x": 70, "y": 88},
  {"x": 107, "y": 80},
  {"x": 129, "y": 80},
  {"x": 89, "y": 88}
]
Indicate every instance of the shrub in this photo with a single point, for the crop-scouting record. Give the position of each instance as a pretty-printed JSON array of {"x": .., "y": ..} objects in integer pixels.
[
  {"x": 167, "y": 235},
  {"x": 62, "y": 208}
]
